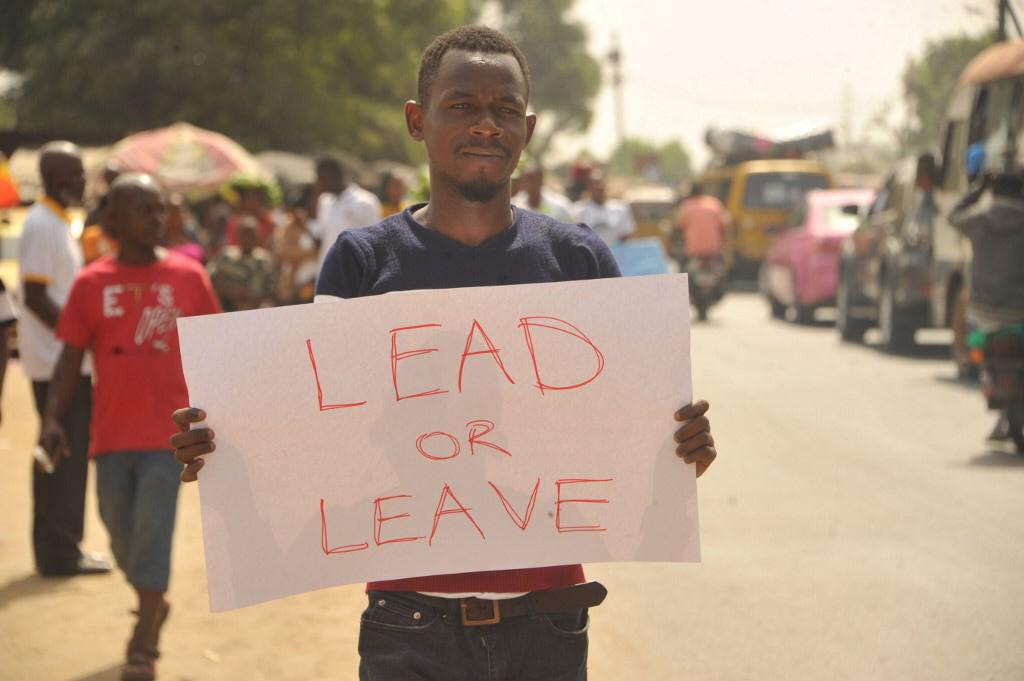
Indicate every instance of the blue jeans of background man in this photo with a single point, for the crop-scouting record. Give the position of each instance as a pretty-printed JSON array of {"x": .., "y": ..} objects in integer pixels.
[
  {"x": 402, "y": 640},
  {"x": 138, "y": 495}
]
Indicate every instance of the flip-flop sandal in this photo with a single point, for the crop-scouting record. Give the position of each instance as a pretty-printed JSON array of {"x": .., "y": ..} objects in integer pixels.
[
  {"x": 140, "y": 666},
  {"x": 153, "y": 649}
]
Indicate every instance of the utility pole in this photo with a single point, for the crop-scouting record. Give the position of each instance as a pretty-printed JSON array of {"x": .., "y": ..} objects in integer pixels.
[
  {"x": 1006, "y": 10},
  {"x": 615, "y": 59}
]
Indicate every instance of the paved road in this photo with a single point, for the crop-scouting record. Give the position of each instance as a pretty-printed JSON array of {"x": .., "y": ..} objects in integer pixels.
[{"x": 854, "y": 528}]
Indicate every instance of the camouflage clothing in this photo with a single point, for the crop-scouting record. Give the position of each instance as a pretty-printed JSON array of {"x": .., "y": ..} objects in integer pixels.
[{"x": 243, "y": 282}]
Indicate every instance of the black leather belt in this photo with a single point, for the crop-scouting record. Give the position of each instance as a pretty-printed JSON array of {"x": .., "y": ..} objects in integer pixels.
[{"x": 476, "y": 612}]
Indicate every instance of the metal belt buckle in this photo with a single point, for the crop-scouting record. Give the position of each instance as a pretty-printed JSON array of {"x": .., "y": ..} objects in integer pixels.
[{"x": 469, "y": 621}]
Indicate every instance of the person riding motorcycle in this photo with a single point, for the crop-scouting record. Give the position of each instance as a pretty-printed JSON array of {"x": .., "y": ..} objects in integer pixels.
[
  {"x": 702, "y": 221},
  {"x": 995, "y": 228}
]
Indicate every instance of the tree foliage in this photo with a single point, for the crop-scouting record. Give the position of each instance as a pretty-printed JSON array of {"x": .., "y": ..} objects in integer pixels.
[
  {"x": 289, "y": 74},
  {"x": 670, "y": 161},
  {"x": 297, "y": 75},
  {"x": 566, "y": 78},
  {"x": 928, "y": 83}
]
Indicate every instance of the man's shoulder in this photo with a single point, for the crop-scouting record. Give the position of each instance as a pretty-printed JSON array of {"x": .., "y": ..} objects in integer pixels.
[
  {"x": 387, "y": 230},
  {"x": 356, "y": 194},
  {"x": 99, "y": 271},
  {"x": 177, "y": 262},
  {"x": 39, "y": 217},
  {"x": 549, "y": 229}
]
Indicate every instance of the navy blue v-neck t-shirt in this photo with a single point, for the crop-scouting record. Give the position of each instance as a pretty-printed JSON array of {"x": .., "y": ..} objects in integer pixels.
[{"x": 400, "y": 254}]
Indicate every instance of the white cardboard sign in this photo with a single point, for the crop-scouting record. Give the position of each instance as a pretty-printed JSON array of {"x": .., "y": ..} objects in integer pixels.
[{"x": 443, "y": 431}]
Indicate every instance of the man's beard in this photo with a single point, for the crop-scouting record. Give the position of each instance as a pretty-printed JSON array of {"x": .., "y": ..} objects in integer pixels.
[{"x": 478, "y": 190}]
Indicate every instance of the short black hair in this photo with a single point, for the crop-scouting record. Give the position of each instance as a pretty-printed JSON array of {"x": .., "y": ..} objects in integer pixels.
[
  {"x": 927, "y": 166},
  {"x": 330, "y": 162},
  {"x": 470, "y": 38}
]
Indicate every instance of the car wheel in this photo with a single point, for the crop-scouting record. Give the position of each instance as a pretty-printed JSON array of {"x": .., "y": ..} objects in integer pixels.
[
  {"x": 850, "y": 328},
  {"x": 778, "y": 310},
  {"x": 1016, "y": 417},
  {"x": 702, "y": 311},
  {"x": 801, "y": 314},
  {"x": 965, "y": 369},
  {"x": 897, "y": 335}
]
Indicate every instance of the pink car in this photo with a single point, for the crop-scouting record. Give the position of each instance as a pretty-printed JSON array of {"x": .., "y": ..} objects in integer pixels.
[{"x": 801, "y": 269}]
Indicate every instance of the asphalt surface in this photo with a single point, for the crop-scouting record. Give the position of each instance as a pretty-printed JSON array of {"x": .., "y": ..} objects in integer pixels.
[{"x": 855, "y": 526}]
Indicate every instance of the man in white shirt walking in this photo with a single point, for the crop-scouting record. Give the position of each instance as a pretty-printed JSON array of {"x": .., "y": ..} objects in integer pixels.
[
  {"x": 533, "y": 195},
  {"x": 342, "y": 205},
  {"x": 49, "y": 258},
  {"x": 610, "y": 219}
]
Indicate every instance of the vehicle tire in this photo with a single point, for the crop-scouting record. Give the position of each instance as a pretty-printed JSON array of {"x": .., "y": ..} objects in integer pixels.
[
  {"x": 778, "y": 310},
  {"x": 850, "y": 328},
  {"x": 1016, "y": 416},
  {"x": 957, "y": 316},
  {"x": 897, "y": 335},
  {"x": 702, "y": 312},
  {"x": 801, "y": 314}
]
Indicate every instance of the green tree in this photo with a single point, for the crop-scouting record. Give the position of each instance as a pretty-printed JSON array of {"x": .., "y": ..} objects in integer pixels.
[
  {"x": 928, "y": 83},
  {"x": 636, "y": 156},
  {"x": 565, "y": 77},
  {"x": 289, "y": 74}
]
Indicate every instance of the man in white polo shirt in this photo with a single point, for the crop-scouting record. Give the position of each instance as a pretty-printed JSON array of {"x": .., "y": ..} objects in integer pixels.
[
  {"x": 610, "y": 219},
  {"x": 342, "y": 205},
  {"x": 48, "y": 260}
]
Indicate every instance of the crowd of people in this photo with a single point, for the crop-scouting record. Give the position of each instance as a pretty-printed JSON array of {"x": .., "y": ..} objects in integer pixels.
[{"x": 261, "y": 255}]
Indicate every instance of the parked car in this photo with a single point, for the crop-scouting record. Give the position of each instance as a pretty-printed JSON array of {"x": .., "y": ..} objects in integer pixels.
[
  {"x": 887, "y": 263},
  {"x": 800, "y": 269},
  {"x": 903, "y": 281}
]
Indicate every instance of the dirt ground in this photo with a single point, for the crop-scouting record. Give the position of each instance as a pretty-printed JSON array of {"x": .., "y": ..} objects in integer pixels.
[{"x": 854, "y": 527}]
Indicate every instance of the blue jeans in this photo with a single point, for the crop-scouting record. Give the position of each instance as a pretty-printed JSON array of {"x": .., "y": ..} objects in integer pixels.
[
  {"x": 403, "y": 640},
  {"x": 138, "y": 497}
]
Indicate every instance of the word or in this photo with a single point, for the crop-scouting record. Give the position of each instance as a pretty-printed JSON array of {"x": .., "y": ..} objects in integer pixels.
[{"x": 476, "y": 430}]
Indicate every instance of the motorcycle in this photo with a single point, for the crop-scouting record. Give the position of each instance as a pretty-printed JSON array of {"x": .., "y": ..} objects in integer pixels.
[
  {"x": 1001, "y": 357},
  {"x": 707, "y": 283}
]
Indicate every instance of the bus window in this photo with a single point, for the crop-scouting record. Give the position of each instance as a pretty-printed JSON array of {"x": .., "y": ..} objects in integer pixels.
[
  {"x": 780, "y": 191},
  {"x": 994, "y": 127}
]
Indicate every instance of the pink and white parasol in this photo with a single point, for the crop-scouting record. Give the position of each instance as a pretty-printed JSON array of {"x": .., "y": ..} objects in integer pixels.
[{"x": 185, "y": 158}]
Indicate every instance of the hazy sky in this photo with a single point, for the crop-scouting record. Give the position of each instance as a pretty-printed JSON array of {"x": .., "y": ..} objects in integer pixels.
[{"x": 764, "y": 65}]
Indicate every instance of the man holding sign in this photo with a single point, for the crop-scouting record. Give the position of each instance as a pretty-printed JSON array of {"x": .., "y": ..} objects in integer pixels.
[{"x": 472, "y": 115}]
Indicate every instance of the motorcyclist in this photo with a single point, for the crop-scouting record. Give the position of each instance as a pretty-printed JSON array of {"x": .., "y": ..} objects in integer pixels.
[
  {"x": 701, "y": 219},
  {"x": 995, "y": 227}
]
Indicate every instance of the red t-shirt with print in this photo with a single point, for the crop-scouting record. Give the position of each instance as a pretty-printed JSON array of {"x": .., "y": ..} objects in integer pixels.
[{"x": 126, "y": 315}]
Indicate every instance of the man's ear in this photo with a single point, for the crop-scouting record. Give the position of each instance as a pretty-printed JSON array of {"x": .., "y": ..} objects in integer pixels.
[
  {"x": 414, "y": 119},
  {"x": 531, "y": 123}
]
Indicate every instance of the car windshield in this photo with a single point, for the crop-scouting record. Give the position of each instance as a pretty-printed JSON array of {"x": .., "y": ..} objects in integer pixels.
[
  {"x": 780, "y": 190},
  {"x": 840, "y": 219},
  {"x": 651, "y": 210}
]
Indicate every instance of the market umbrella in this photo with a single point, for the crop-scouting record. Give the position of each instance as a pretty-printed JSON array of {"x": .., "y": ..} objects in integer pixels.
[
  {"x": 187, "y": 159},
  {"x": 8, "y": 190}
]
